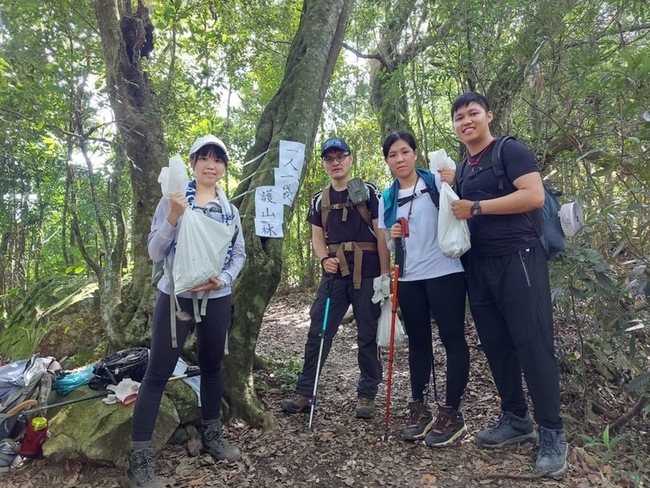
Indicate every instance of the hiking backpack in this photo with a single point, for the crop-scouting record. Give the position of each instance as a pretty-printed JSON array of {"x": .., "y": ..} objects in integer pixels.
[
  {"x": 127, "y": 363},
  {"x": 431, "y": 190},
  {"x": 552, "y": 235},
  {"x": 358, "y": 197}
]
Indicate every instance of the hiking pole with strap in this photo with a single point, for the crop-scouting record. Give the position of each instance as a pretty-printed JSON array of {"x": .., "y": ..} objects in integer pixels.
[
  {"x": 398, "y": 271},
  {"x": 320, "y": 351}
]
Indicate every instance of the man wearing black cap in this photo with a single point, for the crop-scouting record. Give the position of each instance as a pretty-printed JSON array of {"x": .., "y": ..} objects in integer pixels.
[{"x": 343, "y": 220}]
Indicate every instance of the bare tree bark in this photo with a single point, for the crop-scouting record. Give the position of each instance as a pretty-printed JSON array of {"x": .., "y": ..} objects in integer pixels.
[
  {"x": 138, "y": 115},
  {"x": 293, "y": 114}
]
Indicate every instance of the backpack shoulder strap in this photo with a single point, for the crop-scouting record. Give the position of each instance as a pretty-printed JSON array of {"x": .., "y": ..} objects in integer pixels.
[
  {"x": 364, "y": 210},
  {"x": 365, "y": 214},
  {"x": 435, "y": 195},
  {"x": 325, "y": 206},
  {"x": 497, "y": 158},
  {"x": 460, "y": 175},
  {"x": 431, "y": 188}
]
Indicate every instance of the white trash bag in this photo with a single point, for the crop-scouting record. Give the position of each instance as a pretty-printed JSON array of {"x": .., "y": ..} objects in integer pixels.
[
  {"x": 383, "y": 325},
  {"x": 453, "y": 234},
  {"x": 201, "y": 250},
  {"x": 173, "y": 178}
]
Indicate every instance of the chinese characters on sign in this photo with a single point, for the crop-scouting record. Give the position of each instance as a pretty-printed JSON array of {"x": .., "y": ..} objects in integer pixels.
[{"x": 270, "y": 200}]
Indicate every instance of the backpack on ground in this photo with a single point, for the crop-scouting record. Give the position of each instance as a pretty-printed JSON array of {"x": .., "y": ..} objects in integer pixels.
[
  {"x": 558, "y": 221},
  {"x": 127, "y": 363}
]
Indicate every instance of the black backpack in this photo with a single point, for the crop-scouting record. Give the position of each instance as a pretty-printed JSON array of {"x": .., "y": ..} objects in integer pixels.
[
  {"x": 552, "y": 236},
  {"x": 127, "y": 363}
]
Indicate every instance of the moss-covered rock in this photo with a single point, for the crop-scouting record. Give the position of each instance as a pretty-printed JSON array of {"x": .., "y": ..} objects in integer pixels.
[{"x": 91, "y": 431}]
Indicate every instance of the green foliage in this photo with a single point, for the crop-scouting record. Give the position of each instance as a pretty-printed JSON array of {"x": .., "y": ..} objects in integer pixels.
[
  {"x": 287, "y": 374},
  {"x": 604, "y": 443}
]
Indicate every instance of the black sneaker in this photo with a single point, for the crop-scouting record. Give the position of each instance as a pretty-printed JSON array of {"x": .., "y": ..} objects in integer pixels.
[
  {"x": 509, "y": 429},
  {"x": 420, "y": 421},
  {"x": 448, "y": 427},
  {"x": 140, "y": 472},
  {"x": 551, "y": 457},
  {"x": 297, "y": 404},
  {"x": 214, "y": 443}
]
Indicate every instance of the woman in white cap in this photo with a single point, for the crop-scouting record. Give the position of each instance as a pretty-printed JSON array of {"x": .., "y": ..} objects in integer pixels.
[{"x": 209, "y": 161}]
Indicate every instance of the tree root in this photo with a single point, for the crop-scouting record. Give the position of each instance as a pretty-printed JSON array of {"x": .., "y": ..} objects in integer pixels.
[{"x": 630, "y": 414}]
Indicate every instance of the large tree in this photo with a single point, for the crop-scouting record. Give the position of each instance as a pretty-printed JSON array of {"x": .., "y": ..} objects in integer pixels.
[
  {"x": 126, "y": 36},
  {"x": 293, "y": 114}
]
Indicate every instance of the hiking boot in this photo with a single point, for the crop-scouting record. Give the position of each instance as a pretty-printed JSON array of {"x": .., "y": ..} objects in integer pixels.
[
  {"x": 297, "y": 404},
  {"x": 420, "y": 421},
  {"x": 365, "y": 408},
  {"x": 215, "y": 443},
  {"x": 551, "y": 457},
  {"x": 140, "y": 471},
  {"x": 448, "y": 427},
  {"x": 509, "y": 429}
]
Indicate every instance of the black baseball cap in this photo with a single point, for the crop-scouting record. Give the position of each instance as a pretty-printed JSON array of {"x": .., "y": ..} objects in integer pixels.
[{"x": 334, "y": 143}]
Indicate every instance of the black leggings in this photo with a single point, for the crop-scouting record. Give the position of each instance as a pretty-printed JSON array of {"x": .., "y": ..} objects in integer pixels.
[
  {"x": 210, "y": 339},
  {"x": 444, "y": 297}
]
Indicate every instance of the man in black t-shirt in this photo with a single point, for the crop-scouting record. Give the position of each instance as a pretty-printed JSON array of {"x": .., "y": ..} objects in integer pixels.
[
  {"x": 508, "y": 285},
  {"x": 338, "y": 242}
]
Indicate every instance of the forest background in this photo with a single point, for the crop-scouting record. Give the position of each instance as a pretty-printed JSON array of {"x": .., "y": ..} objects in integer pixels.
[{"x": 89, "y": 114}]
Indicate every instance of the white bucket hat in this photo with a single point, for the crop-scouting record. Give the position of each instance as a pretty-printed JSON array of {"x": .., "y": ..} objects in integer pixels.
[{"x": 209, "y": 139}]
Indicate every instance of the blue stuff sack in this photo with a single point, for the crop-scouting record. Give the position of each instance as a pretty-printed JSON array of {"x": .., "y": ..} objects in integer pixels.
[{"x": 72, "y": 381}]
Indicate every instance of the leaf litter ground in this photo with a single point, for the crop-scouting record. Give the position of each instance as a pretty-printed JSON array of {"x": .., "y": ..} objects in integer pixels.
[{"x": 341, "y": 450}]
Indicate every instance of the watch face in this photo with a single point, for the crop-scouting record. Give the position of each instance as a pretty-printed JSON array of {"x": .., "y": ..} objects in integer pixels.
[{"x": 476, "y": 209}]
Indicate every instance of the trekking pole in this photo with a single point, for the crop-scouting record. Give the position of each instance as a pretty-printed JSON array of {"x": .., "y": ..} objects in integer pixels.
[
  {"x": 320, "y": 351},
  {"x": 398, "y": 271},
  {"x": 188, "y": 374}
]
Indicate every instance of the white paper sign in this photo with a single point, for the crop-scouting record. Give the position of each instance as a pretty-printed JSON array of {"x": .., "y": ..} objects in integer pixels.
[
  {"x": 268, "y": 203},
  {"x": 292, "y": 158},
  {"x": 287, "y": 184},
  {"x": 268, "y": 228}
]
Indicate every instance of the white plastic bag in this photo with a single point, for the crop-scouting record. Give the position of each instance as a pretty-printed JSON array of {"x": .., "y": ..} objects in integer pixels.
[
  {"x": 381, "y": 287},
  {"x": 200, "y": 250},
  {"x": 173, "y": 178},
  {"x": 453, "y": 234},
  {"x": 383, "y": 326}
]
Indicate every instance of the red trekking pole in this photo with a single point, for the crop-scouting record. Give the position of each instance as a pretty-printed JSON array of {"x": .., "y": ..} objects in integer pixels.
[{"x": 398, "y": 271}]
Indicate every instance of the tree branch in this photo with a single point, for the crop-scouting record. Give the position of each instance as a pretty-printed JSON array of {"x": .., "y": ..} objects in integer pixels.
[{"x": 359, "y": 54}]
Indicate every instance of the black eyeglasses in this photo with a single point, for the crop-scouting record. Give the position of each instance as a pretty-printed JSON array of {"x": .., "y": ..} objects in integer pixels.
[{"x": 337, "y": 159}]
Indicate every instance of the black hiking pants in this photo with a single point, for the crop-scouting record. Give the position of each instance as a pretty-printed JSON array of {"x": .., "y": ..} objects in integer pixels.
[
  {"x": 510, "y": 298},
  {"x": 210, "y": 340},
  {"x": 444, "y": 298},
  {"x": 366, "y": 315}
]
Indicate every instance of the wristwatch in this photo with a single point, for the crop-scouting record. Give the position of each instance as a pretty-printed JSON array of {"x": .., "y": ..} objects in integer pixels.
[{"x": 476, "y": 208}]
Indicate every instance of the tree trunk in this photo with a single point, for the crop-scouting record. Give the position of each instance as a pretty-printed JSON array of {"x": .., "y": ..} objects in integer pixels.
[
  {"x": 388, "y": 95},
  {"x": 140, "y": 124},
  {"x": 293, "y": 114}
]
